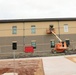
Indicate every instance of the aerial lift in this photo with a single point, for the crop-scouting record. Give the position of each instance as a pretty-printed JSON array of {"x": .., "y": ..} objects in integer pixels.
[{"x": 59, "y": 47}]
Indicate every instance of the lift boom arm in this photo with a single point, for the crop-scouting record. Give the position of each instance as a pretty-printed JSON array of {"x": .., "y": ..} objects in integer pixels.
[{"x": 57, "y": 36}]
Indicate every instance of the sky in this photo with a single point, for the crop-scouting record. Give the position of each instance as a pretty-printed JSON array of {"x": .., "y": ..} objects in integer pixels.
[{"x": 28, "y": 9}]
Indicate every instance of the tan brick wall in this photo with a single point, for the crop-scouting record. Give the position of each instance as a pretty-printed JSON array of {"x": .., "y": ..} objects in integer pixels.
[
  {"x": 40, "y": 27},
  {"x": 6, "y": 28},
  {"x": 71, "y": 27}
]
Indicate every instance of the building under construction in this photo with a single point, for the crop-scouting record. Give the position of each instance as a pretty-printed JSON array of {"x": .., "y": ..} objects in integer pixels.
[{"x": 33, "y": 32}]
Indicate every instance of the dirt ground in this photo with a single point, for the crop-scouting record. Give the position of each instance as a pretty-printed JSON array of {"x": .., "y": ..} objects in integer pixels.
[
  {"x": 22, "y": 67},
  {"x": 73, "y": 58}
]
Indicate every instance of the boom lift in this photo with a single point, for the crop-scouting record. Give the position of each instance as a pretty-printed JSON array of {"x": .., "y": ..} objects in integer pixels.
[{"x": 61, "y": 46}]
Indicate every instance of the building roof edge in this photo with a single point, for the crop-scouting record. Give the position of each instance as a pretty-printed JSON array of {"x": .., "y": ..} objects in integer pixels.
[{"x": 37, "y": 20}]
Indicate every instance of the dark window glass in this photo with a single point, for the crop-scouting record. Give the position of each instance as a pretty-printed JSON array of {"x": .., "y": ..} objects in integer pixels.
[
  {"x": 14, "y": 46},
  {"x": 52, "y": 44},
  {"x": 33, "y": 44}
]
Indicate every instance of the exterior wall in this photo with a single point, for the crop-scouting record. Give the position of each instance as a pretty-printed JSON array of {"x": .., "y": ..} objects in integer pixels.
[
  {"x": 6, "y": 44},
  {"x": 71, "y": 27},
  {"x": 40, "y": 28},
  {"x": 6, "y": 29},
  {"x": 24, "y": 35},
  {"x": 43, "y": 41}
]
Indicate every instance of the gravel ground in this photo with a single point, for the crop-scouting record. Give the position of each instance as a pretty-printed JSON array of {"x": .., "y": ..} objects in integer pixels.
[
  {"x": 22, "y": 67},
  {"x": 55, "y": 65}
]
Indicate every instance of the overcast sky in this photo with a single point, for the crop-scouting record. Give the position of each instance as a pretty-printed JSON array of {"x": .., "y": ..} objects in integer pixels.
[{"x": 23, "y": 9}]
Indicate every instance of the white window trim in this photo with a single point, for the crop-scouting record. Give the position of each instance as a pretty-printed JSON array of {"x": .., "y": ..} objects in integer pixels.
[
  {"x": 14, "y": 29},
  {"x": 33, "y": 29},
  {"x": 65, "y": 27}
]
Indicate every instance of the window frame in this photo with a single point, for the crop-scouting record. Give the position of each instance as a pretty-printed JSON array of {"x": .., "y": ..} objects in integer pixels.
[
  {"x": 52, "y": 45},
  {"x": 65, "y": 27},
  {"x": 14, "y": 29},
  {"x": 14, "y": 45},
  {"x": 67, "y": 42},
  {"x": 33, "y": 29},
  {"x": 33, "y": 43}
]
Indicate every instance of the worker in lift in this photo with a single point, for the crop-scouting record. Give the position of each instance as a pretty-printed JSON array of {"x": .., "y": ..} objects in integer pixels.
[{"x": 51, "y": 28}]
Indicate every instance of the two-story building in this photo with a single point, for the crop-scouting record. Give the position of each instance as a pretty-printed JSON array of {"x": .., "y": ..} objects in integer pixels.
[{"x": 32, "y": 32}]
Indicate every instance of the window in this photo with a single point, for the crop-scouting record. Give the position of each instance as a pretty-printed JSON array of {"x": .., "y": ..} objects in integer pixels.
[
  {"x": 33, "y": 43},
  {"x": 33, "y": 29},
  {"x": 14, "y": 30},
  {"x": 14, "y": 45},
  {"x": 51, "y": 26},
  {"x": 67, "y": 42},
  {"x": 65, "y": 27},
  {"x": 52, "y": 43}
]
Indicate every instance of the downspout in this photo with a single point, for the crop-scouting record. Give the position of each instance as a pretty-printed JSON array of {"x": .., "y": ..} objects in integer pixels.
[
  {"x": 23, "y": 35},
  {"x": 58, "y": 29}
]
